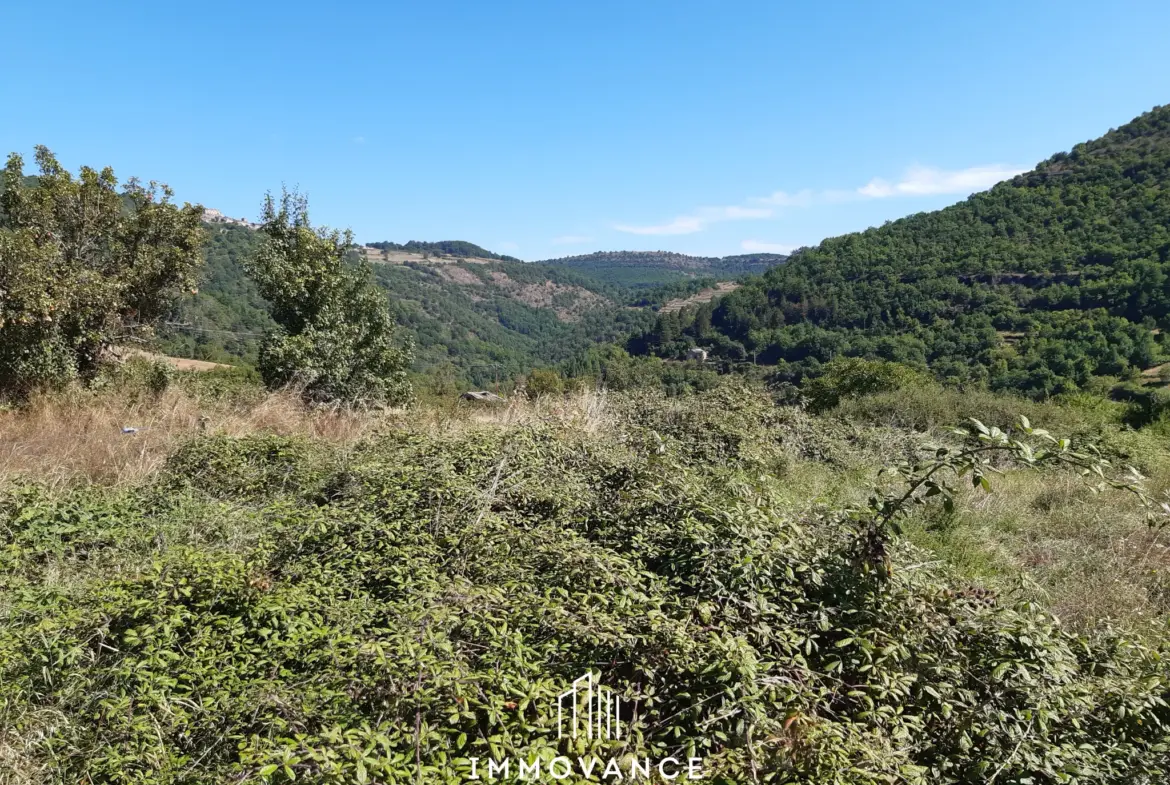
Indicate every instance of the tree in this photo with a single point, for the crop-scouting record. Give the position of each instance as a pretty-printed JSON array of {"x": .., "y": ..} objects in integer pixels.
[
  {"x": 544, "y": 381},
  {"x": 335, "y": 337},
  {"x": 84, "y": 266},
  {"x": 854, "y": 377}
]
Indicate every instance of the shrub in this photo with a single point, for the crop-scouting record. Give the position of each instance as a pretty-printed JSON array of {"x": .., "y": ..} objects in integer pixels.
[
  {"x": 424, "y": 598},
  {"x": 543, "y": 381},
  {"x": 853, "y": 377},
  {"x": 240, "y": 384},
  {"x": 1146, "y": 405},
  {"x": 258, "y": 465}
]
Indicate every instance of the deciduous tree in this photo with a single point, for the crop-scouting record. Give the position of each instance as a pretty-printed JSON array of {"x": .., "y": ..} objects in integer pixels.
[
  {"x": 84, "y": 265},
  {"x": 335, "y": 338}
]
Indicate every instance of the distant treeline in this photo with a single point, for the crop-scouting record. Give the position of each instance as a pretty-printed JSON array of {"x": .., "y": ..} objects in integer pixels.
[{"x": 459, "y": 248}]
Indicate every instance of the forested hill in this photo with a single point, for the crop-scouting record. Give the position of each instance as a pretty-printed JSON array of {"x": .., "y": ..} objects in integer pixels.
[
  {"x": 475, "y": 317},
  {"x": 1039, "y": 284},
  {"x": 644, "y": 268}
]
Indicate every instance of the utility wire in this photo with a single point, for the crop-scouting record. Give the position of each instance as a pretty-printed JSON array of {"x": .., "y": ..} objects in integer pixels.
[{"x": 192, "y": 328}]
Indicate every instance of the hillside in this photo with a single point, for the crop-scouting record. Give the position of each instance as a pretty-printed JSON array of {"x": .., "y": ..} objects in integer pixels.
[
  {"x": 484, "y": 318},
  {"x": 457, "y": 249},
  {"x": 702, "y": 297},
  {"x": 224, "y": 320},
  {"x": 1040, "y": 284},
  {"x": 490, "y": 318},
  {"x": 647, "y": 268}
]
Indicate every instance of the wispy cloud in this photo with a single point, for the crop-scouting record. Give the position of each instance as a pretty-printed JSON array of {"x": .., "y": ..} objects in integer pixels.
[
  {"x": 784, "y": 199},
  {"x": 359, "y": 140},
  {"x": 917, "y": 181},
  {"x": 926, "y": 181},
  {"x": 699, "y": 220},
  {"x": 508, "y": 245},
  {"x": 571, "y": 239},
  {"x": 755, "y": 246}
]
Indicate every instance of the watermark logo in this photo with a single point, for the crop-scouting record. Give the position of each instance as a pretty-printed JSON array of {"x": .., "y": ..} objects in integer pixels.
[
  {"x": 593, "y": 709},
  {"x": 594, "y": 712}
]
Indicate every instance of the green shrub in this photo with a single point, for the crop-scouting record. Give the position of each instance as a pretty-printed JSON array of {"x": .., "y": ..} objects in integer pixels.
[
  {"x": 853, "y": 377},
  {"x": 543, "y": 381},
  {"x": 248, "y": 467},
  {"x": 136, "y": 377},
  {"x": 240, "y": 385},
  {"x": 1146, "y": 404},
  {"x": 425, "y": 597}
]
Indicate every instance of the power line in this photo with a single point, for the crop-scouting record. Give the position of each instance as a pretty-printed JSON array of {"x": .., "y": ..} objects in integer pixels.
[{"x": 192, "y": 328}]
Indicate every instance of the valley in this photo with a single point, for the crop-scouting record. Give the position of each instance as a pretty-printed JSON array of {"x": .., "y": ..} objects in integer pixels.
[{"x": 892, "y": 508}]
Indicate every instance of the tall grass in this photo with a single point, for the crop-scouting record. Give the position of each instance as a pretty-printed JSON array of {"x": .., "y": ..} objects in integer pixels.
[{"x": 119, "y": 436}]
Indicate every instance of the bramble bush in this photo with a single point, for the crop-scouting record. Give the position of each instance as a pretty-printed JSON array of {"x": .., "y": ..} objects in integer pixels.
[{"x": 270, "y": 611}]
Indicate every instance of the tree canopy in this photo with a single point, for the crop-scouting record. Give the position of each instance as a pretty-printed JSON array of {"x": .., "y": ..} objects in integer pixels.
[
  {"x": 84, "y": 265},
  {"x": 335, "y": 337}
]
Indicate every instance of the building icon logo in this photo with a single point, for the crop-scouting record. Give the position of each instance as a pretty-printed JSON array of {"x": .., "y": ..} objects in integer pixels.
[{"x": 589, "y": 709}]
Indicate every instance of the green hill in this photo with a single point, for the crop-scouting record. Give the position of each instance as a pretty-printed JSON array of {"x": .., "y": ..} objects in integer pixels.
[
  {"x": 1039, "y": 284},
  {"x": 486, "y": 319},
  {"x": 224, "y": 320},
  {"x": 647, "y": 268}
]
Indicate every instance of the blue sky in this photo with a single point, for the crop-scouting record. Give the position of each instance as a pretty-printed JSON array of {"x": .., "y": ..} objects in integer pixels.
[{"x": 545, "y": 129}]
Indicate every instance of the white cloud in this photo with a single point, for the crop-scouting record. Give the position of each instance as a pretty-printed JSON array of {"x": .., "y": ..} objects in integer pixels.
[
  {"x": 680, "y": 225},
  {"x": 735, "y": 213},
  {"x": 571, "y": 239},
  {"x": 918, "y": 181},
  {"x": 784, "y": 199},
  {"x": 755, "y": 246},
  {"x": 925, "y": 181},
  {"x": 699, "y": 220}
]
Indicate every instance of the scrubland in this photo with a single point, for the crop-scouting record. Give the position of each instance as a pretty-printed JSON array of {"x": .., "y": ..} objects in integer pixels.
[{"x": 248, "y": 589}]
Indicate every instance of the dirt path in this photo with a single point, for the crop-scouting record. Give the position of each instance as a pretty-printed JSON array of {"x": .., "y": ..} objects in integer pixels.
[{"x": 178, "y": 363}]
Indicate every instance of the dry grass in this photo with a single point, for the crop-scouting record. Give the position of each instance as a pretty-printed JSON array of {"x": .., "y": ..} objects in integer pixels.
[
  {"x": 1088, "y": 557},
  {"x": 79, "y": 436}
]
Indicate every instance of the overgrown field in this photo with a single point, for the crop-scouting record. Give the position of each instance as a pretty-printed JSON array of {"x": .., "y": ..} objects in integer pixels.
[{"x": 249, "y": 591}]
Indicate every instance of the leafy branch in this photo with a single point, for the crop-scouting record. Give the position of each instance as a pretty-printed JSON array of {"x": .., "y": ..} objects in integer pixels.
[{"x": 981, "y": 453}]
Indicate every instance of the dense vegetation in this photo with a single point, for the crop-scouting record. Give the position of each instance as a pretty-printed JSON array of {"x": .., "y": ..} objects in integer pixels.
[
  {"x": 472, "y": 322},
  {"x": 225, "y": 319},
  {"x": 268, "y": 608},
  {"x": 84, "y": 266},
  {"x": 650, "y": 268},
  {"x": 335, "y": 340},
  {"x": 1040, "y": 284},
  {"x": 489, "y": 321}
]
